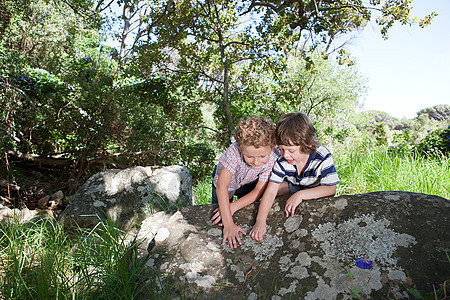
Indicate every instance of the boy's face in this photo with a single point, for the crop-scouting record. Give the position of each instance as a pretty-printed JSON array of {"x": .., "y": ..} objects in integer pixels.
[
  {"x": 292, "y": 154},
  {"x": 256, "y": 157}
]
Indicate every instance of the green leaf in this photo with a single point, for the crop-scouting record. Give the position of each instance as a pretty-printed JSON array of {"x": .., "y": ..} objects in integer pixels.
[
  {"x": 415, "y": 293},
  {"x": 356, "y": 291}
]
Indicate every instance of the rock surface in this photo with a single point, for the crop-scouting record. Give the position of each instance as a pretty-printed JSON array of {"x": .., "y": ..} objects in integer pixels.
[
  {"x": 311, "y": 255},
  {"x": 129, "y": 195},
  {"x": 24, "y": 215}
]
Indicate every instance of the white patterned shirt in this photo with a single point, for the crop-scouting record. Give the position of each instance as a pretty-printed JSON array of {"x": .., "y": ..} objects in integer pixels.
[
  {"x": 319, "y": 170},
  {"x": 242, "y": 173}
]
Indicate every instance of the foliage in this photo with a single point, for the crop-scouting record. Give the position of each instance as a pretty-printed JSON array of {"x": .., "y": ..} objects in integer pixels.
[
  {"x": 437, "y": 112},
  {"x": 43, "y": 260},
  {"x": 203, "y": 44},
  {"x": 211, "y": 40},
  {"x": 65, "y": 95},
  {"x": 384, "y": 117},
  {"x": 43, "y": 81},
  {"x": 435, "y": 144},
  {"x": 31, "y": 264},
  {"x": 72, "y": 103},
  {"x": 381, "y": 170},
  {"x": 58, "y": 116},
  {"x": 203, "y": 191}
]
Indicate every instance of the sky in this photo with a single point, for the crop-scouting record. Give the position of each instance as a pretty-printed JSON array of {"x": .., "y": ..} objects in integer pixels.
[{"x": 411, "y": 70}]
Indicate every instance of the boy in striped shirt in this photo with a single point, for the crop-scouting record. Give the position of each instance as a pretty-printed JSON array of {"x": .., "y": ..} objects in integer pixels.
[
  {"x": 306, "y": 169},
  {"x": 243, "y": 171}
]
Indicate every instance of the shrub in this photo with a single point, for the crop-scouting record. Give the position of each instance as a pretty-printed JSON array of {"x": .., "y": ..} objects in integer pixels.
[{"x": 435, "y": 144}]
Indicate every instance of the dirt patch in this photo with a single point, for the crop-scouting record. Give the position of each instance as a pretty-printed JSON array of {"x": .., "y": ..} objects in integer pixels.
[{"x": 22, "y": 186}]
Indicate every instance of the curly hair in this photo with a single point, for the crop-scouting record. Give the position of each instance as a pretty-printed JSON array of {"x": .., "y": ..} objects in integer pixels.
[
  {"x": 296, "y": 129},
  {"x": 255, "y": 131}
]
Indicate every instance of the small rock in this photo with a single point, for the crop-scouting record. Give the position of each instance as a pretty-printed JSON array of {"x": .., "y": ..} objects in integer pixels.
[{"x": 44, "y": 201}]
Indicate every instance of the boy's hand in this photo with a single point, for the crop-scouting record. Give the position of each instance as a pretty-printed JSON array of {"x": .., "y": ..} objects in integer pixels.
[
  {"x": 258, "y": 231},
  {"x": 216, "y": 218},
  {"x": 292, "y": 203},
  {"x": 231, "y": 233}
]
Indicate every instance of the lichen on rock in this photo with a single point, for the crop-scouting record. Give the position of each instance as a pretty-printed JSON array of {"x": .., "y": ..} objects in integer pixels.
[
  {"x": 263, "y": 250},
  {"x": 361, "y": 237}
]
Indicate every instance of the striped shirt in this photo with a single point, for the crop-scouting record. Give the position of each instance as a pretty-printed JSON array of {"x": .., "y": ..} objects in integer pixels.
[
  {"x": 233, "y": 161},
  {"x": 319, "y": 170}
]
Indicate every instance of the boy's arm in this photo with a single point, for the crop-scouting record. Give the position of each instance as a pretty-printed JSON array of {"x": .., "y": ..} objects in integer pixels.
[
  {"x": 242, "y": 202},
  {"x": 307, "y": 194},
  {"x": 251, "y": 197},
  {"x": 230, "y": 230},
  {"x": 259, "y": 229}
]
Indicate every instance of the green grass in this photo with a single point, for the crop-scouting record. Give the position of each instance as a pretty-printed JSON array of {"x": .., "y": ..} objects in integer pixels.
[
  {"x": 42, "y": 260},
  {"x": 381, "y": 170},
  {"x": 202, "y": 191}
]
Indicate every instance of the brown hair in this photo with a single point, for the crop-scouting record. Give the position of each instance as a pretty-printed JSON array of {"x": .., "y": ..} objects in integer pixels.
[
  {"x": 296, "y": 129},
  {"x": 255, "y": 131}
]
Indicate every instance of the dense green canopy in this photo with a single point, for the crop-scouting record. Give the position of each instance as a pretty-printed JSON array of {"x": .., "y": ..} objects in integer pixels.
[{"x": 66, "y": 94}]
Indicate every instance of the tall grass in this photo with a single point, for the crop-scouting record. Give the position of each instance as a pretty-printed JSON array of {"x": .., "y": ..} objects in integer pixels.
[
  {"x": 42, "y": 260},
  {"x": 203, "y": 190},
  {"x": 382, "y": 170}
]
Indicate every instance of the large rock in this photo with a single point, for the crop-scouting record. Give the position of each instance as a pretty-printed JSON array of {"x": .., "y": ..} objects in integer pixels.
[
  {"x": 128, "y": 196},
  {"x": 311, "y": 255}
]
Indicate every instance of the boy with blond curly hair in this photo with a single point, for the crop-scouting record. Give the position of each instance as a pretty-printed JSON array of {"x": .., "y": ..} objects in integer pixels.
[
  {"x": 305, "y": 169},
  {"x": 243, "y": 171}
]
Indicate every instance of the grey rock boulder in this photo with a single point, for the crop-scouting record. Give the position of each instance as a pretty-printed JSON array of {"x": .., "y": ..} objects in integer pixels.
[
  {"x": 128, "y": 196},
  {"x": 312, "y": 255}
]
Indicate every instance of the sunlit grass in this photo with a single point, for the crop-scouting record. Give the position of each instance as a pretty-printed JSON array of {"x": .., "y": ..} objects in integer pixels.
[
  {"x": 203, "y": 190},
  {"x": 381, "y": 170},
  {"x": 42, "y": 260}
]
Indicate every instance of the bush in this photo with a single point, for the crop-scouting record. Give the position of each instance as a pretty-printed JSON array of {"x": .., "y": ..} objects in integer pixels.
[{"x": 435, "y": 144}]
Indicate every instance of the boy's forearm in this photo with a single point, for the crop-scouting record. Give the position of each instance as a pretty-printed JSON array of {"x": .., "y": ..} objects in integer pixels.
[
  {"x": 224, "y": 205},
  {"x": 251, "y": 197},
  {"x": 267, "y": 202},
  {"x": 318, "y": 192}
]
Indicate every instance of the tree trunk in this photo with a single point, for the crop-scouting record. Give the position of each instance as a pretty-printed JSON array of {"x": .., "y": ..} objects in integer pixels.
[{"x": 226, "y": 102}]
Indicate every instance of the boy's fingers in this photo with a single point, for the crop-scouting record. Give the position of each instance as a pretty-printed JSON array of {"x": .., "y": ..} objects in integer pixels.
[
  {"x": 232, "y": 242},
  {"x": 287, "y": 212},
  {"x": 238, "y": 237},
  {"x": 216, "y": 219}
]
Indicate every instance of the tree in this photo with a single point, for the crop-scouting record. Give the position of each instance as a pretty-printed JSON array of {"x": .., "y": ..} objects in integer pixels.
[
  {"x": 63, "y": 100},
  {"x": 324, "y": 90},
  {"x": 200, "y": 44},
  {"x": 204, "y": 42},
  {"x": 437, "y": 112}
]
